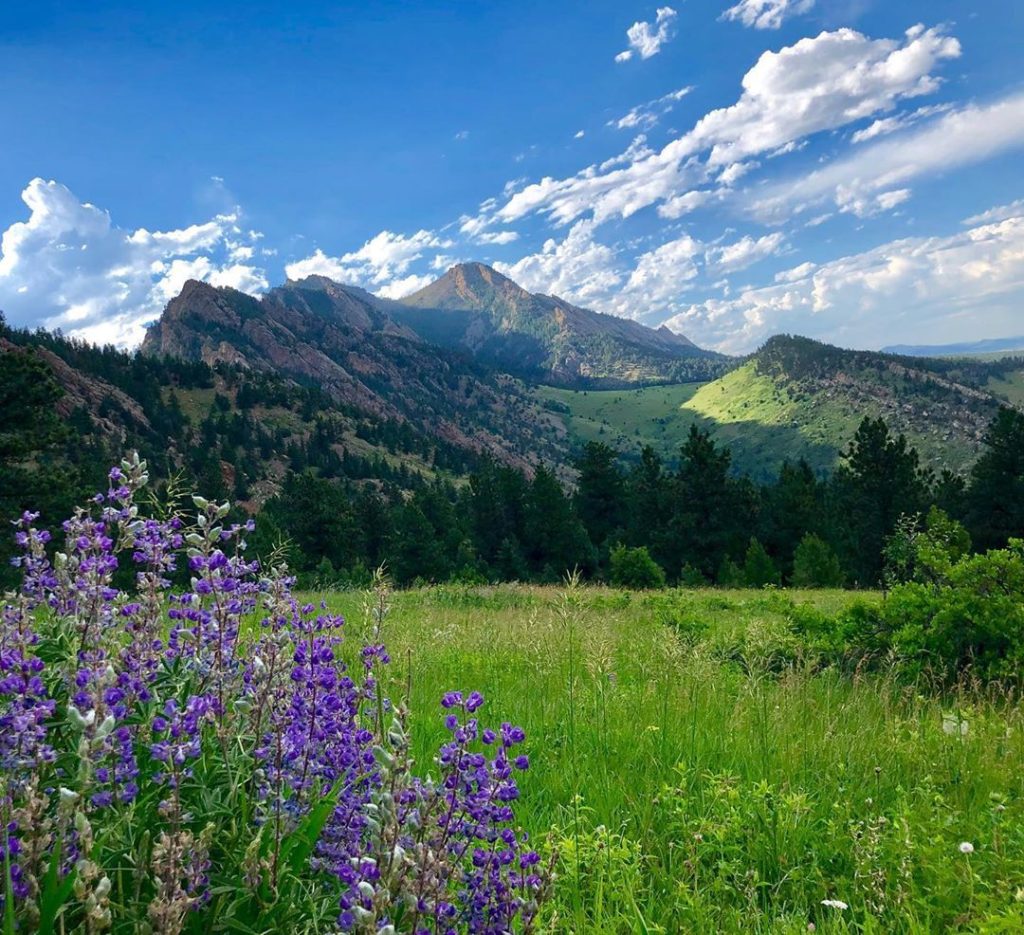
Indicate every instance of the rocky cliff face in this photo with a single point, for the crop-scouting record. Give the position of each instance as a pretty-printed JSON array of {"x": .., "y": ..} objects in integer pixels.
[
  {"x": 342, "y": 340},
  {"x": 85, "y": 391}
]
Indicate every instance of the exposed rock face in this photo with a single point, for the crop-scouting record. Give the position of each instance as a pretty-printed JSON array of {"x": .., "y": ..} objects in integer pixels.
[
  {"x": 84, "y": 392},
  {"x": 475, "y": 307},
  {"x": 345, "y": 341}
]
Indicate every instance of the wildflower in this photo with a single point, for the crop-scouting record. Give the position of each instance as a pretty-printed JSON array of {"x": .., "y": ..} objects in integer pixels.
[
  {"x": 966, "y": 847},
  {"x": 835, "y": 904},
  {"x": 309, "y": 729}
]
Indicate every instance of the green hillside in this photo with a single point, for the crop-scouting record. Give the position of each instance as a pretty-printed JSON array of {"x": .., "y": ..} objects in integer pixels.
[
  {"x": 800, "y": 399},
  {"x": 625, "y": 419},
  {"x": 744, "y": 409},
  {"x": 1009, "y": 386}
]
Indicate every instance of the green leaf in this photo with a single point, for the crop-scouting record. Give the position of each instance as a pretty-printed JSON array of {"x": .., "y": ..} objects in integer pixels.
[
  {"x": 54, "y": 892},
  {"x": 297, "y": 847}
]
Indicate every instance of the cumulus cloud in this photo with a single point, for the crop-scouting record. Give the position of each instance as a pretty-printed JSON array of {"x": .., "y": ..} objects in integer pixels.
[
  {"x": 731, "y": 258},
  {"x": 882, "y": 296},
  {"x": 70, "y": 267},
  {"x": 400, "y": 288},
  {"x": 589, "y": 273},
  {"x": 646, "y": 39},
  {"x": 645, "y": 116},
  {"x": 766, "y": 14},
  {"x": 874, "y": 177},
  {"x": 381, "y": 264},
  {"x": 817, "y": 84},
  {"x": 658, "y": 277},
  {"x": 577, "y": 268}
]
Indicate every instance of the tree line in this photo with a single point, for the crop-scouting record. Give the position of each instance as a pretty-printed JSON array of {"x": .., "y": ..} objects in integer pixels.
[{"x": 696, "y": 523}]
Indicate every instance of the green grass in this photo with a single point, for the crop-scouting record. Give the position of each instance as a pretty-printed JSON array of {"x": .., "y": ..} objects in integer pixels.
[
  {"x": 627, "y": 419},
  {"x": 692, "y": 772},
  {"x": 764, "y": 420},
  {"x": 1010, "y": 388}
]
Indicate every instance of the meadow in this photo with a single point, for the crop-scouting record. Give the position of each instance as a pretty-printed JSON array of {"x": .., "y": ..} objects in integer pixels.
[{"x": 694, "y": 768}]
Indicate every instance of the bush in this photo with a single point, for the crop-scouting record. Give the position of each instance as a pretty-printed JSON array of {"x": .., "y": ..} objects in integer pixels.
[
  {"x": 634, "y": 569},
  {"x": 815, "y": 565},
  {"x": 184, "y": 757},
  {"x": 973, "y": 616}
]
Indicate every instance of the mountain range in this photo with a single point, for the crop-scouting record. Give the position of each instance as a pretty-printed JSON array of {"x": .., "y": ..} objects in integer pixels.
[
  {"x": 321, "y": 374},
  {"x": 962, "y": 349},
  {"x": 798, "y": 398}
]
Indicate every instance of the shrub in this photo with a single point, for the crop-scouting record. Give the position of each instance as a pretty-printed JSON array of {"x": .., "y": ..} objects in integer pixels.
[
  {"x": 172, "y": 753},
  {"x": 815, "y": 565},
  {"x": 972, "y": 616},
  {"x": 924, "y": 551},
  {"x": 635, "y": 569}
]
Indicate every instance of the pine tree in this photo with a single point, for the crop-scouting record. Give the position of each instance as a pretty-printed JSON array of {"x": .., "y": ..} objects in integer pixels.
[
  {"x": 555, "y": 537},
  {"x": 816, "y": 565},
  {"x": 600, "y": 493},
  {"x": 996, "y": 496},
  {"x": 880, "y": 479},
  {"x": 758, "y": 568}
]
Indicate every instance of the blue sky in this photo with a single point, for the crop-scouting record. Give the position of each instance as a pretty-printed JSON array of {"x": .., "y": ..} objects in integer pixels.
[{"x": 846, "y": 169}]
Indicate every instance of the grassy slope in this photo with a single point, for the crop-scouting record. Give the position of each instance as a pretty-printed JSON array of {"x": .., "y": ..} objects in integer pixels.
[
  {"x": 627, "y": 419},
  {"x": 757, "y": 416},
  {"x": 731, "y": 798},
  {"x": 1011, "y": 387}
]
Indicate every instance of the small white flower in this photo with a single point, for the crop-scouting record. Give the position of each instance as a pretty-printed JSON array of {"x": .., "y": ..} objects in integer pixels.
[
  {"x": 966, "y": 847},
  {"x": 835, "y": 904}
]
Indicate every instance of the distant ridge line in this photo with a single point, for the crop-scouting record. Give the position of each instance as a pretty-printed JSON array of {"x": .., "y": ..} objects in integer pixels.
[{"x": 986, "y": 346}]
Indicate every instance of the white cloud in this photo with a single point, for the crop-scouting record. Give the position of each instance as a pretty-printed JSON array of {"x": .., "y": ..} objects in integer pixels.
[
  {"x": 731, "y": 258},
  {"x": 461, "y": 135},
  {"x": 638, "y": 149},
  {"x": 877, "y": 174},
  {"x": 659, "y": 277},
  {"x": 579, "y": 134},
  {"x": 645, "y": 116},
  {"x": 317, "y": 263},
  {"x": 683, "y": 204},
  {"x": 68, "y": 266},
  {"x": 951, "y": 287},
  {"x": 796, "y": 273},
  {"x": 577, "y": 268},
  {"x": 590, "y": 273},
  {"x": 646, "y": 39},
  {"x": 882, "y": 127},
  {"x": 400, "y": 288},
  {"x": 380, "y": 265},
  {"x": 731, "y": 174},
  {"x": 766, "y": 14},
  {"x": 998, "y": 213},
  {"x": 497, "y": 237},
  {"x": 817, "y": 84},
  {"x": 887, "y": 125}
]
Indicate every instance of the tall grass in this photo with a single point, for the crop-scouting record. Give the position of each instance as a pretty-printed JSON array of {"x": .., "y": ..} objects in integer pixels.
[{"x": 692, "y": 771}]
